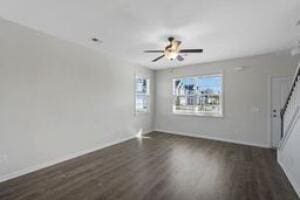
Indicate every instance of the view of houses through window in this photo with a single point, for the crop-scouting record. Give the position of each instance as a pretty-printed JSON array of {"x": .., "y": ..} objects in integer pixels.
[
  {"x": 200, "y": 95},
  {"x": 142, "y": 94}
]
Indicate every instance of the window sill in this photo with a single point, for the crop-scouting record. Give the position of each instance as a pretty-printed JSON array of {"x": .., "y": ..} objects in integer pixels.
[
  {"x": 214, "y": 115},
  {"x": 137, "y": 113}
]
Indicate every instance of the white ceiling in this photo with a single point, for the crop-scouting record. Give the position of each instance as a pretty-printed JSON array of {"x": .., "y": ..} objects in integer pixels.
[{"x": 224, "y": 29}]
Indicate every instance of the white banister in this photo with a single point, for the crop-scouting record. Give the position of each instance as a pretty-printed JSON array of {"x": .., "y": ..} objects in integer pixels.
[{"x": 291, "y": 109}]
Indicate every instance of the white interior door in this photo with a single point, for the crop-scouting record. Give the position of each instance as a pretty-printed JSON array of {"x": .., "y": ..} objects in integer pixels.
[{"x": 280, "y": 88}]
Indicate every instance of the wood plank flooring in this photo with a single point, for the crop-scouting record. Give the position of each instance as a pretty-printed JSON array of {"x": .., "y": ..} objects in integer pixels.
[{"x": 159, "y": 167}]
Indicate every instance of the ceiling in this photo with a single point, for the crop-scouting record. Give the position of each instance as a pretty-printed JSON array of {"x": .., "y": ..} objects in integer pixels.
[{"x": 224, "y": 29}]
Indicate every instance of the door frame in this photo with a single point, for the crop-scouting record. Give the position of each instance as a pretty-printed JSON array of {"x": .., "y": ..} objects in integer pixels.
[{"x": 269, "y": 110}]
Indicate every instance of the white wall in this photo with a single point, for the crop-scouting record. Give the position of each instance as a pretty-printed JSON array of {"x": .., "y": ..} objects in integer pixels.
[
  {"x": 245, "y": 92},
  {"x": 59, "y": 99}
]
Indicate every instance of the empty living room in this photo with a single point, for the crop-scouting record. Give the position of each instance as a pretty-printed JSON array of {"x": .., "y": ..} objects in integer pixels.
[{"x": 150, "y": 100}]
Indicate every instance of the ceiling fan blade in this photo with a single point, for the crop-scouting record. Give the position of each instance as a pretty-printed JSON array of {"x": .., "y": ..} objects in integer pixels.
[
  {"x": 153, "y": 51},
  {"x": 191, "y": 51},
  {"x": 158, "y": 58},
  {"x": 180, "y": 58}
]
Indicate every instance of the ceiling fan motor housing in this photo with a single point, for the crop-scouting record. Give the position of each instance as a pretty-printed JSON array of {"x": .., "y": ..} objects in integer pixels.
[{"x": 171, "y": 39}]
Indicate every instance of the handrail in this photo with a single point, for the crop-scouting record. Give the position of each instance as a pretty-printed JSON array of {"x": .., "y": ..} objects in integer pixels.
[
  {"x": 290, "y": 127},
  {"x": 283, "y": 110}
]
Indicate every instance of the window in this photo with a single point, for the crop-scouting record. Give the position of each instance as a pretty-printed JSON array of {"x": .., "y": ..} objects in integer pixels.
[
  {"x": 142, "y": 94},
  {"x": 199, "y": 95}
]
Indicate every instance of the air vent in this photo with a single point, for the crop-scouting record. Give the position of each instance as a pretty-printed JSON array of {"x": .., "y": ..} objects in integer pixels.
[{"x": 96, "y": 40}]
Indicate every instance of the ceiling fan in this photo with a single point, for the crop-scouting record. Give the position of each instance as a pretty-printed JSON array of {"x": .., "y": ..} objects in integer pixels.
[{"x": 172, "y": 51}]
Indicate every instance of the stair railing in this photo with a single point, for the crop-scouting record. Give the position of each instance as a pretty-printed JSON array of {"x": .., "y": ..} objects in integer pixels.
[{"x": 286, "y": 112}]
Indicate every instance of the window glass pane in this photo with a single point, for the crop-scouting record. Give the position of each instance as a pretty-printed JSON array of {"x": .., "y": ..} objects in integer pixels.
[
  {"x": 209, "y": 85},
  {"x": 142, "y": 93},
  {"x": 141, "y": 102},
  {"x": 184, "y": 103},
  {"x": 141, "y": 85},
  {"x": 185, "y": 86},
  {"x": 200, "y": 94}
]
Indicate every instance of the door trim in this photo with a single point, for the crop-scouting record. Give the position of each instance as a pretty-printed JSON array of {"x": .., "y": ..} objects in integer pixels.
[{"x": 269, "y": 110}]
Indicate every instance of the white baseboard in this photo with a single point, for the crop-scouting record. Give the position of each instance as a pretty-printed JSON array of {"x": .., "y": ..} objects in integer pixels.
[
  {"x": 293, "y": 182},
  {"x": 59, "y": 160},
  {"x": 147, "y": 132},
  {"x": 211, "y": 138}
]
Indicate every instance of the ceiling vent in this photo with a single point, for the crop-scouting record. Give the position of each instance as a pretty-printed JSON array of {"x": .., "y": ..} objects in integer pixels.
[{"x": 96, "y": 40}]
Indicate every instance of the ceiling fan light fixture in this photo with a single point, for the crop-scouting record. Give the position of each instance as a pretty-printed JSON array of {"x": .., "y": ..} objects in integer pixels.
[
  {"x": 171, "y": 55},
  {"x": 173, "y": 51}
]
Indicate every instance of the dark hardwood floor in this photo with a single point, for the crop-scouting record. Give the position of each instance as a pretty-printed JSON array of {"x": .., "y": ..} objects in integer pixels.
[{"x": 161, "y": 166}]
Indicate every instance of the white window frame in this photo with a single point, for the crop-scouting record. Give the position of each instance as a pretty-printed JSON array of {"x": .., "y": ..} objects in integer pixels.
[
  {"x": 148, "y": 94},
  {"x": 200, "y": 114}
]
